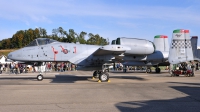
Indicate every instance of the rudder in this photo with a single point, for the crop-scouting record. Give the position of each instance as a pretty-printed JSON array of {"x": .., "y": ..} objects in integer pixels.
[{"x": 194, "y": 41}]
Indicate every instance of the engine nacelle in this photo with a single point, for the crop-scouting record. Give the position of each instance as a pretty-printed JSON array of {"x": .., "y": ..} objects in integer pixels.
[{"x": 138, "y": 46}]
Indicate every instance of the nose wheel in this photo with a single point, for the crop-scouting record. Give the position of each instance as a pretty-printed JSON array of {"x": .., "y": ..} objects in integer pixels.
[{"x": 40, "y": 77}]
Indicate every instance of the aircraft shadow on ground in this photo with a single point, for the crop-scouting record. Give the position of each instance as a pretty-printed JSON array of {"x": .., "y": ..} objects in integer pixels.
[
  {"x": 73, "y": 79},
  {"x": 129, "y": 77},
  {"x": 18, "y": 78},
  {"x": 130, "y": 72},
  {"x": 189, "y": 103},
  {"x": 70, "y": 79}
]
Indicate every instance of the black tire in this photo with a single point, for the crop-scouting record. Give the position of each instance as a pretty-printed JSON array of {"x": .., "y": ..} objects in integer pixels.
[
  {"x": 157, "y": 70},
  {"x": 148, "y": 70},
  {"x": 104, "y": 77},
  {"x": 96, "y": 74},
  {"x": 40, "y": 77}
]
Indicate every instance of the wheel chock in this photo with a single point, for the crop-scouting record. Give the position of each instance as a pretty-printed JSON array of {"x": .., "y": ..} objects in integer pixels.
[
  {"x": 108, "y": 80},
  {"x": 99, "y": 80}
]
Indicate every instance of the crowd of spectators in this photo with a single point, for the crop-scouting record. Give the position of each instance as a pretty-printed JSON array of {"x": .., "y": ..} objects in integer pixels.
[{"x": 18, "y": 68}]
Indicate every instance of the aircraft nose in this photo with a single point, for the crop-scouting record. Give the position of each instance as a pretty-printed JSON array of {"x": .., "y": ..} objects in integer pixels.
[{"x": 9, "y": 56}]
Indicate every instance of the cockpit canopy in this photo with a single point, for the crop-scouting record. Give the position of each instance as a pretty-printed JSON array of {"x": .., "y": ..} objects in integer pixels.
[{"x": 41, "y": 41}]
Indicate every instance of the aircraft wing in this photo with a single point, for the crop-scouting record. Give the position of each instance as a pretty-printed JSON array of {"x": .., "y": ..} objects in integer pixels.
[{"x": 111, "y": 50}]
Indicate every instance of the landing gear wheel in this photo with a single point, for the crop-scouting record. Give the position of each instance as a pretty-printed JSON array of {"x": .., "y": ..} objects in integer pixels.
[
  {"x": 148, "y": 70},
  {"x": 95, "y": 74},
  {"x": 104, "y": 77},
  {"x": 40, "y": 77},
  {"x": 157, "y": 70}
]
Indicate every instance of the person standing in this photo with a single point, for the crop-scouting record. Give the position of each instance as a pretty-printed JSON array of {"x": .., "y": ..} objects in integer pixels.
[
  {"x": 16, "y": 68},
  {"x": 197, "y": 66},
  {"x": 6, "y": 67},
  {"x": 0, "y": 68},
  {"x": 55, "y": 66},
  {"x": 64, "y": 67},
  {"x": 193, "y": 68},
  {"x": 69, "y": 65}
]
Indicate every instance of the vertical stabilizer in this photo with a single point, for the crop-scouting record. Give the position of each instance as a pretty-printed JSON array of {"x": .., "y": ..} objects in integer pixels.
[
  {"x": 161, "y": 43},
  {"x": 180, "y": 48},
  {"x": 194, "y": 40}
]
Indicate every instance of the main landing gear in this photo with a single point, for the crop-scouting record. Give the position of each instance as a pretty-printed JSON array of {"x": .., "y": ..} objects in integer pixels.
[
  {"x": 103, "y": 76},
  {"x": 148, "y": 70},
  {"x": 157, "y": 70}
]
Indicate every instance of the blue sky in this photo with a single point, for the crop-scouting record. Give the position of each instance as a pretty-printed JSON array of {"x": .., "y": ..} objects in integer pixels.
[{"x": 108, "y": 18}]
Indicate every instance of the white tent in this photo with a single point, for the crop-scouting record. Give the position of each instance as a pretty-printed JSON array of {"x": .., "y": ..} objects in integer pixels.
[{"x": 3, "y": 59}]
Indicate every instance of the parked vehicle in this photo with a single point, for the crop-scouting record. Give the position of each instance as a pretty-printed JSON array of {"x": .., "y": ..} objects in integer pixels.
[{"x": 187, "y": 73}]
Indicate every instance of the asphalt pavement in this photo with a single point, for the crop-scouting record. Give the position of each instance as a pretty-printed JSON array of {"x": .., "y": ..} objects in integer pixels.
[{"x": 76, "y": 91}]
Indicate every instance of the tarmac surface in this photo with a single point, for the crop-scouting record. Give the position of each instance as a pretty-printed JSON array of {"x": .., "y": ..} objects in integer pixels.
[{"x": 76, "y": 91}]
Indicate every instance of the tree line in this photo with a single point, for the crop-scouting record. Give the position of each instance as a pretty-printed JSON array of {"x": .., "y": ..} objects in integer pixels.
[{"x": 24, "y": 37}]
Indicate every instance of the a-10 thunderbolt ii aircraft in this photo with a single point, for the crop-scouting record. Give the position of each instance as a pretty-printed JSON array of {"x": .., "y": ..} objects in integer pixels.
[{"x": 130, "y": 51}]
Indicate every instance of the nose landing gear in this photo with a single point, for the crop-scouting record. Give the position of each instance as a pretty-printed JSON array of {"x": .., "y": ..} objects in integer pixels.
[{"x": 40, "y": 77}]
